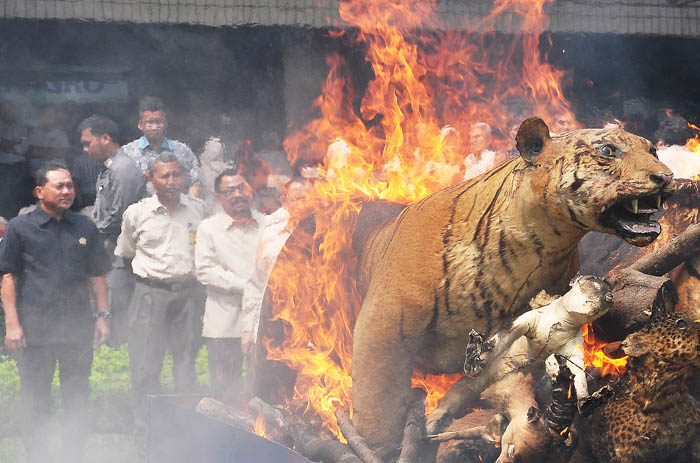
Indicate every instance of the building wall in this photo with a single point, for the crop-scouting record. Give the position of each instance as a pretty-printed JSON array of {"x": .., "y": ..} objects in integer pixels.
[{"x": 651, "y": 17}]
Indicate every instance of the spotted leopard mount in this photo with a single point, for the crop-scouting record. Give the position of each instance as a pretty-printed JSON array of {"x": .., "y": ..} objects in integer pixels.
[
  {"x": 474, "y": 254},
  {"x": 650, "y": 416}
]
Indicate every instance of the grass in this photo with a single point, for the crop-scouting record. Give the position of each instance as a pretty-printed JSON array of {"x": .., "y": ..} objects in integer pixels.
[{"x": 109, "y": 404}]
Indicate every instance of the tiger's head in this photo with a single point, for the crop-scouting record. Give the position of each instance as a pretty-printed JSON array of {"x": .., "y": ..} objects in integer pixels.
[{"x": 606, "y": 180}]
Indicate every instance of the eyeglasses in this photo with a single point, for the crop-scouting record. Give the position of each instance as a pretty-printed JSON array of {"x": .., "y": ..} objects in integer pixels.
[{"x": 236, "y": 189}]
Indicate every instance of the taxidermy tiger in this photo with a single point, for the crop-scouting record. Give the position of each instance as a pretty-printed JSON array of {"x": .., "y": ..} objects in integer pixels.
[{"x": 474, "y": 254}]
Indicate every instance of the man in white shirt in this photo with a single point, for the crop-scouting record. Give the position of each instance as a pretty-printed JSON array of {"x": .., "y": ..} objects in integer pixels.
[
  {"x": 226, "y": 258},
  {"x": 158, "y": 235}
]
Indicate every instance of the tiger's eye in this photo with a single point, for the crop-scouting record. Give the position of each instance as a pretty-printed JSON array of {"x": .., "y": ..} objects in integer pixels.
[{"x": 607, "y": 150}]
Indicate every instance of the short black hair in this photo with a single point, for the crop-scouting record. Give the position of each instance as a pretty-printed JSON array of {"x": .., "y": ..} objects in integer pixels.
[
  {"x": 165, "y": 158},
  {"x": 49, "y": 166},
  {"x": 151, "y": 103},
  {"x": 100, "y": 125},
  {"x": 225, "y": 173}
]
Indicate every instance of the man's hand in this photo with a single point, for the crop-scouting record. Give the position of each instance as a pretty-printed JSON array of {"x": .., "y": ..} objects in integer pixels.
[
  {"x": 14, "y": 338},
  {"x": 247, "y": 342},
  {"x": 101, "y": 331}
]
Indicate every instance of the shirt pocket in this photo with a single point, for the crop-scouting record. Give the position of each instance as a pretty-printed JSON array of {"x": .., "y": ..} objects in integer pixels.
[
  {"x": 76, "y": 255},
  {"x": 152, "y": 233}
]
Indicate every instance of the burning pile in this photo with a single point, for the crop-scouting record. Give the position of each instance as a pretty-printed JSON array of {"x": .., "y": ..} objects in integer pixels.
[{"x": 408, "y": 138}]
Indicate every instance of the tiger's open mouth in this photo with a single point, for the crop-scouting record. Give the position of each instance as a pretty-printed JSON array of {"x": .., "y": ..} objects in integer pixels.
[{"x": 631, "y": 218}]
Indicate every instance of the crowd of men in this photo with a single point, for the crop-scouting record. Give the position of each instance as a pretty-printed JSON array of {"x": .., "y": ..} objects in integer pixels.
[
  {"x": 174, "y": 253},
  {"x": 153, "y": 265}
]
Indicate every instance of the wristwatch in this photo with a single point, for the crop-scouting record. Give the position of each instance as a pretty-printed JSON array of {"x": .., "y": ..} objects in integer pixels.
[{"x": 106, "y": 315}]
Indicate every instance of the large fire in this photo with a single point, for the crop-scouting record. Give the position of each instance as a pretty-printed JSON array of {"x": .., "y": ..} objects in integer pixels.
[{"x": 436, "y": 94}]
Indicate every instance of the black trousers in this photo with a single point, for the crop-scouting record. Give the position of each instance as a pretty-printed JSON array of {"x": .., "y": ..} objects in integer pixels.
[
  {"x": 225, "y": 365},
  {"x": 36, "y": 369},
  {"x": 161, "y": 321}
]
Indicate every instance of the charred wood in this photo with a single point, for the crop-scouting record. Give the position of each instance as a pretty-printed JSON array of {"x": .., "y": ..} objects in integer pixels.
[
  {"x": 640, "y": 291},
  {"x": 355, "y": 441},
  {"x": 636, "y": 298},
  {"x": 559, "y": 414},
  {"x": 672, "y": 254},
  {"x": 312, "y": 446},
  {"x": 307, "y": 441}
]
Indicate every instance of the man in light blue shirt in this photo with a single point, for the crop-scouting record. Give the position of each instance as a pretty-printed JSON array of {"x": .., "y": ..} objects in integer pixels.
[{"x": 153, "y": 124}]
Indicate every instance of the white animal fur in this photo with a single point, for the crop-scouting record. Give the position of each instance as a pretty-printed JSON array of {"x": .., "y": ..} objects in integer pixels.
[{"x": 549, "y": 329}]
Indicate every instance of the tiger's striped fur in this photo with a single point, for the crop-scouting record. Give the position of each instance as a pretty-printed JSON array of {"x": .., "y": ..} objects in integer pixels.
[{"x": 476, "y": 253}]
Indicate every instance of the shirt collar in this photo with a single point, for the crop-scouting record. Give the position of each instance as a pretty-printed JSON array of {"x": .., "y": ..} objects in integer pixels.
[
  {"x": 43, "y": 218},
  {"x": 227, "y": 221},
  {"x": 155, "y": 205},
  {"x": 143, "y": 144}
]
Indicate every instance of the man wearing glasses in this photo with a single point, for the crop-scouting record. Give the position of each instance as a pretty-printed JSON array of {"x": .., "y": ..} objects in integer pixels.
[
  {"x": 226, "y": 262},
  {"x": 153, "y": 123}
]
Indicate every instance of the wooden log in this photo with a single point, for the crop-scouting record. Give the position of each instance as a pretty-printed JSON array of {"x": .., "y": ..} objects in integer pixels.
[
  {"x": 672, "y": 254},
  {"x": 315, "y": 448},
  {"x": 413, "y": 429},
  {"x": 306, "y": 441},
  {"x": 272, "y": 415},
  {"x": 356, "y": 442},
  {"x": 221, "y": 411},
  {"x": 636, "y": 297}
]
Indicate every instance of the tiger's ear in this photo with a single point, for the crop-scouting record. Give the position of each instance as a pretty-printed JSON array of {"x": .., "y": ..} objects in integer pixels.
[{"x": 531, "y": 139}]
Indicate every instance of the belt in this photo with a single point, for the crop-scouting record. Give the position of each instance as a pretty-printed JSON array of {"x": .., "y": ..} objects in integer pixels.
[{"x": 168, "y": 286}]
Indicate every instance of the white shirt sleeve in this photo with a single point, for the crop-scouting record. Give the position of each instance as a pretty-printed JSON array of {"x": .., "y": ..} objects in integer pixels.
[{"x": 207, "y": 268}]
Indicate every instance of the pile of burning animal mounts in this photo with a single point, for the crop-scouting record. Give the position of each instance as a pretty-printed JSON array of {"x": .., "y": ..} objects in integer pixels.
[{"x": 460, "y": 268}]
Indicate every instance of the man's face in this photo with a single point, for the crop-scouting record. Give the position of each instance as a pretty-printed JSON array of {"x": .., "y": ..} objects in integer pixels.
[
  {"x": 479, "y": 139},
  {"x": 153, "y": 125},
  {"x": 168, "y": 180},
  {"x": 95, "y": 147},
  {"x": 58, "y": 193},
  {"x": 234, "y": 195}
]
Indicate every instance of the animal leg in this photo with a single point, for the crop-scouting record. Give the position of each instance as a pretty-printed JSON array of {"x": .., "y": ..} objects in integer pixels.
[
  {"x": 381, "y": 372},
  {"x": 462, "y": 396},
  {"x": 481, "y": 354}
]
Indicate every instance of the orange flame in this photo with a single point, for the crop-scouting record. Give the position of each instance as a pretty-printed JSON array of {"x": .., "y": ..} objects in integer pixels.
[
  {"x": 593, "y": 354},
  {"x": 435, "y": 385},
  {"x": 414, "y": 133},
  {"x": 259, "y": 427},
  {"x": 693, "y": 144}
]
